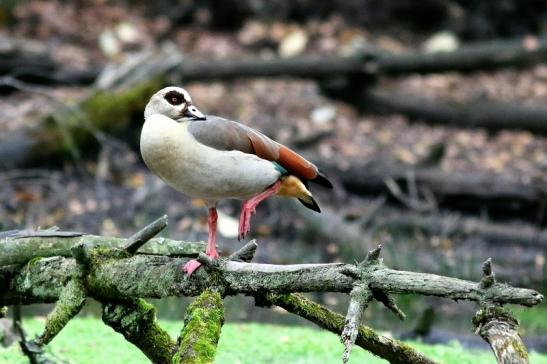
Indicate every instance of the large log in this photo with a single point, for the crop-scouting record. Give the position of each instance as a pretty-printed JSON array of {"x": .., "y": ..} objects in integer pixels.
[
  {"x": 466, "y": 191},
  {"x": 491, "y": 115},
  {"x": 74, "y": 130},
  {"x": 30, "y": 61},
  {"x": 372, "y": 61},
  {"x": 497, "y": 234}
]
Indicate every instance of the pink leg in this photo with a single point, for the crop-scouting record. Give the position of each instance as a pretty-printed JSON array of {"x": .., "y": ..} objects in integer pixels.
[
  {"x": 211, "y": 249},
  {"x": 249, "y": 208}
]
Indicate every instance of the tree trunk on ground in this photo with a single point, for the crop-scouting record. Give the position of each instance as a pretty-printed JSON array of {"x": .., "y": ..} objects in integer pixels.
[
  {"x": 466, "y": 191},
  {"x": 491, "y": 115}
]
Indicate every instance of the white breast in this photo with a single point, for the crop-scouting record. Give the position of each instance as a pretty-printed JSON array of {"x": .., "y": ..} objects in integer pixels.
[{"x": 197, "y": 170}]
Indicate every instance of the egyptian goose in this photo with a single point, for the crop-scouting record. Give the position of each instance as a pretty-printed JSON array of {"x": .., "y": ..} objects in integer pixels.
[{"x": 213, "y": 158}]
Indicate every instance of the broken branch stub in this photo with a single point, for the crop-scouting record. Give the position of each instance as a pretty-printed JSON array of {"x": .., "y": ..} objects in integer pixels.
[
  {"x": 140, "y": 238},
  {"x": 360, "y": 296},
  {"x": 497, "y": 326}
]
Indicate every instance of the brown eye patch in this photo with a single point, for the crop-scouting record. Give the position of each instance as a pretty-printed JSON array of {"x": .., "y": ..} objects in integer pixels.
[{"x": 174, "y": 97}]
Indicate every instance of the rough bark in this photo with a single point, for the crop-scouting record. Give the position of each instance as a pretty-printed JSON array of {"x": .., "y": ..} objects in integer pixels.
[
  {"x": 360, "y": 297},
  {"x": 202, "y": 326},
  {"x": 144, "y": 276},
  {"x": 500, "y": 330},
  {"x": 22, "y": 246},
  {"x": 136, "y": 321}
]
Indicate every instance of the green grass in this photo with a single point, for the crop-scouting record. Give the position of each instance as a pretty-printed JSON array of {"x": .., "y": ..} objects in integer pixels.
[{"x": 88, "y": 340}]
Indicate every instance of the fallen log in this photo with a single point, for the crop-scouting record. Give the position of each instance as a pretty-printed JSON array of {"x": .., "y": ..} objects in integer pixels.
[
  {"x": 372, "y": 61},
  {"x": 465, "y": 191},
  {"x": 124, "y": 90},
  {"x": 488, "y": 114},
  {"x": 29, "y": 61},
  {"x": 74, "y": 130},
  {"x": 516, "y": 233}
]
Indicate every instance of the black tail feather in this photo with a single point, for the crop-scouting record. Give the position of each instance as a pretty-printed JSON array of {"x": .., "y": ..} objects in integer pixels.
[
  {"x": 312, "y": 205},
  {"x": 322, "y": 180}
]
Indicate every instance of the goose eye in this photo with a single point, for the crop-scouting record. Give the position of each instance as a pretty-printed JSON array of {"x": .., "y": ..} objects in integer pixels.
[{"x": 174, "y": 98}]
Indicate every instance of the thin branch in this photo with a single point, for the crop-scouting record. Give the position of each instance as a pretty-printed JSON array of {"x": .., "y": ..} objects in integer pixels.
[
  {"x": 360, "y": 297},
  {"x": 246, "y": 253},
  {"x": 145, "y": 234},
  {"x": 32, "y": 351},
  {"x": 393, "y": 350}
]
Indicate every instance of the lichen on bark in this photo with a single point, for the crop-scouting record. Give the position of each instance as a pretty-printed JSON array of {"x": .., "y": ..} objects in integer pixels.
[
  {"x": 136, "y": 321},
  {"x": 201, "y": 332},
  {"x": 70, "y": 302},
  {"x": 392, "y": 350},
  {"x": 499, "y": 328}
]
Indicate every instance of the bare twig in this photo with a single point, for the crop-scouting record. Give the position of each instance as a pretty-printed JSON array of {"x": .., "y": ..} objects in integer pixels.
[
  {"x": 246, "y": 253},
  {"x": 144, "y": 235},
  {"x": 360, "y": 296}
]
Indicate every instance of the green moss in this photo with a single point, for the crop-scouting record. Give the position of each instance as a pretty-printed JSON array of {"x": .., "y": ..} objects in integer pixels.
[
  {"x": 70, "y": 302},
  {"x": 107, "y": 111},
  {"x": 202, "y": 325},
  {"x": 486, "y": 314},
  {"x": 136, "y": 321},
  {"x": 33, "y": 261},
  {"x": 367, "y": 338},
  {"x": 3, "y": 312},
  {"x": 520, "y": 349},
  {"x": 106, "y": 106}
]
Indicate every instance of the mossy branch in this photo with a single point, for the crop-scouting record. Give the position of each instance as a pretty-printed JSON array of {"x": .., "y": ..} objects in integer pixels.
[
  {"x": 152, "y": 276},
  {"x": 136, "y": 321},
  {"x": 390, "y": 349},
  {"x": 70, "y": 302},
  {"x": 20, "y": 247},
  {"x": 202, "y": 326}
]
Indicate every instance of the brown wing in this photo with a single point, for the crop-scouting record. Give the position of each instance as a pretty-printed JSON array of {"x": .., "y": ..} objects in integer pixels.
[{"x": 224, "y": 134}]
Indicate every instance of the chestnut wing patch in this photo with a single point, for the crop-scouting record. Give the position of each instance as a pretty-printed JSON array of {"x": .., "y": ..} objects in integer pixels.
[{"x": 224, "y": 134}]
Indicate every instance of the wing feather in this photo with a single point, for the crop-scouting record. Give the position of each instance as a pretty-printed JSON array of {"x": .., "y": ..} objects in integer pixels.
[{"x": 224, "y": 134}]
